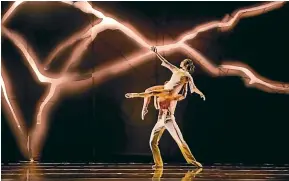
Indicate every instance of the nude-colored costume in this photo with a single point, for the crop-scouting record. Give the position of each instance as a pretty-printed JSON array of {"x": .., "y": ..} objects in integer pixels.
[{"x": 165, "y": 99}]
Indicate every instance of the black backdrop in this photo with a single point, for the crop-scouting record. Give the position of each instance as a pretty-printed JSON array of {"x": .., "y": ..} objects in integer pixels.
[{"x": 234, "y": 124}]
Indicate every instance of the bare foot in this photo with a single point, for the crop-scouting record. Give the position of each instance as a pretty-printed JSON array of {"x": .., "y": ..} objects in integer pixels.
[
  {"x": 131, "y": 95},
  {"x": 144, "y": 112}
]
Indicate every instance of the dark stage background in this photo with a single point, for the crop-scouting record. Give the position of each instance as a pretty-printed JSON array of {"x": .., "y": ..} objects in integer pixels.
[{"x": 235, "y": 124}]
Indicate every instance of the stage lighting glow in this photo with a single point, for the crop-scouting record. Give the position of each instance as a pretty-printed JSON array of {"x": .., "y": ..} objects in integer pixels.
[{"x": 106, "y": 71}]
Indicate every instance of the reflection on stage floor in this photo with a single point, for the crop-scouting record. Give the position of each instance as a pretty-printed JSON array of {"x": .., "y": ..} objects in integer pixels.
[{"x": 134, "y": 172}]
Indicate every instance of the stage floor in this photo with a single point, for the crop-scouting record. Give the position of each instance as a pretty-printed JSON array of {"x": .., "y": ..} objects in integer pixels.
[{"x": 134, "y": 172}]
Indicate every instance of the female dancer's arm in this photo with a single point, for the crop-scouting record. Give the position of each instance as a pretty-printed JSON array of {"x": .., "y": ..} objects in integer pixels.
[
  {"x": 194, "y": 88},
  {"x": 165, "y": 63}
]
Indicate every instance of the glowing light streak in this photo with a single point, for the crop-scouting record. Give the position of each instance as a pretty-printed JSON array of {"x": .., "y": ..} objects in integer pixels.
[
  {"x": 110, "y": 23},
  {"x": 48, "y": 97},
  {"x": 109, "y": 70},
  {"x": 15, "y": 119},
  {"x": 228, "y": 23},
  {"x": 9, "y": 104},
  {"x": 254, "y": 79},
  {"x": 18, "y": 41},
  {"x": 78, "y": 36},
  {"x": 77, "y": 53},
  {"x": 10, "y": 11},
  {"x": 225, "y": 25},
  {"x": 107, "y": 23}
]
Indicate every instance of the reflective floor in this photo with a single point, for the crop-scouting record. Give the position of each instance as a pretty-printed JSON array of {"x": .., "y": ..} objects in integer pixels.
[{"x": 133, "y": 172}]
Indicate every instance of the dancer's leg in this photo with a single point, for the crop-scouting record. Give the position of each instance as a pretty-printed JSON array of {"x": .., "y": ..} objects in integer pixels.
[
  {"x": 155, "y": 137},
  {"x": 157, "y": 106},
  {"x": 148, "y": 98},
  {"x": 146, "y": 103},
  {"x": 175, "y": 132},
  {"x": 158, "y": 92}
]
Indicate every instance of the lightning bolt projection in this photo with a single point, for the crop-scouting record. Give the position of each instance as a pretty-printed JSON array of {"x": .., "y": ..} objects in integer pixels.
[{"x": 109, "y": 70}]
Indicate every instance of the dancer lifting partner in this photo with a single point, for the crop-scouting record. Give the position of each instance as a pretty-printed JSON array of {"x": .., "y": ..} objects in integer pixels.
[{"x": 166, "y": 98}]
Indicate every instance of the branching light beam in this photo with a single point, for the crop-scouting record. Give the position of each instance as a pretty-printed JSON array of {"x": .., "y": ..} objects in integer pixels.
[{"x": 106, "y": 71}]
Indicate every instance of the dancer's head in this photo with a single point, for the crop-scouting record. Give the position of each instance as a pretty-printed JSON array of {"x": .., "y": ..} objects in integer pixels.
[{"x": 188, "y": 65}]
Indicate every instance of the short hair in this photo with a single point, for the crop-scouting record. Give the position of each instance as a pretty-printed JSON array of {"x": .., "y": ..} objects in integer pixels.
[{"x": 189, "y": 64}]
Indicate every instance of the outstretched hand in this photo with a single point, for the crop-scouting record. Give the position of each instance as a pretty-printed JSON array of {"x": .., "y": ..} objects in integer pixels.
[
  {"x": 203, "y": 97},
  {"x": 154, "y": 49}
]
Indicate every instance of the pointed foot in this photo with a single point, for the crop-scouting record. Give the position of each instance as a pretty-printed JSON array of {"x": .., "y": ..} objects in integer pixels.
[{"x": 144, "y": 112}]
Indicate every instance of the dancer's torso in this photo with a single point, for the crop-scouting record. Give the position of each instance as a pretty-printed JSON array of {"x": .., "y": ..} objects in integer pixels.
[
  {"x": 175, "y": 85},
  {"x": 177, "y": 81}
]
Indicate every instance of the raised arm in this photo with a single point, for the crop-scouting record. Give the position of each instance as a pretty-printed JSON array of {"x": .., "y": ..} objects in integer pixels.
[
  {"x": 194, "y": 88},
  {"x": 165, "y": 63}
]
